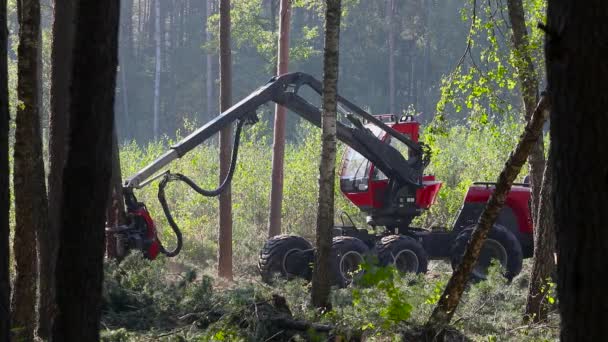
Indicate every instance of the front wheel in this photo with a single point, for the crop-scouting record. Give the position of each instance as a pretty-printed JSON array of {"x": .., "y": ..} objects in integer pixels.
[
  {"x": 276, "y": 253},
  {"x": 500, "y": 245},
  {"x": 349, "y": 253},
  {"x": 405, "y": 253}
]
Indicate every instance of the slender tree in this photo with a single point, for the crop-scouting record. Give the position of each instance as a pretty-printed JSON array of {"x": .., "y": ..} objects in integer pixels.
[
  {"x": 87, "y": 171},
  {"x": 575, "y": 55},
  {"x": 225, "y": 231},
  {"x": 278, "y": 147},
  {"x": 209, "y": 62},
  {"x": 327, "y": 168},
  {"x": 28, "y": 172},
  {"x": 158, "y": 43},
  {"x": 442, "y": 314},
  {"x": 58, "y": 129},
  {"x": 390, "y": 13},
  {"x": 537, "y": 307},
  {"x": 125, "y": 60},
  {"x": 528, "y": 82},
  {"x": 5, "y": 286}
]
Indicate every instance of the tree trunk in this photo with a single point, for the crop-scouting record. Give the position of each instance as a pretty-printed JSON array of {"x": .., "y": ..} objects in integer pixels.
[
  {"x": 575, "y": 50},
  {"x": 115, "y": 212},
  {"x": 327, "y": 168},
  {"x": 87, "y": 172},
  {"x": 31, "y": 211},
  {"x": 278, "y": 147},
  {"x": 544, "y": 242},
  {"x": 390, "y": 11},
  {"x": 5, "y": 286},
  {"x": 125, "y": 62},
  {"x": 544, "y": 248},
  {"x": 63, "y": 32},
  {"x": 157, "y": 41},
  {"x": 528, "y": 82},
  {"x": 225, "y": 231},
  {"x": 450, "y": 298},
  {"x": 209, "y": 63}
]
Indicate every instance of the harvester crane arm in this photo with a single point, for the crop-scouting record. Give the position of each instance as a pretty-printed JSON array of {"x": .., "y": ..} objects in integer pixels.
[{"x": 284, "y": 91}]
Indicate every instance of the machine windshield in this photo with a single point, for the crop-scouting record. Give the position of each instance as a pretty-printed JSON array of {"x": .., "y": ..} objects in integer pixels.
[{"x": 355, "y": 169}]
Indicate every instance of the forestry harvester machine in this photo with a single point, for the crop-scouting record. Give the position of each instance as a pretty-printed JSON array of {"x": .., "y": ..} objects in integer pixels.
[{"x": 382, "y": 173}]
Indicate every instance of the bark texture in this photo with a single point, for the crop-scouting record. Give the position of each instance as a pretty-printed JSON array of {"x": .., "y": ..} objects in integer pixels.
[
  {"x": 87, "y": 172},
  {"x": 442, "y": 314},
  {"x": 5, "y": 286},
  {"x": 576, "y": 50},
  {"x": 31, "y": 211},
  {"x": 528, "y": 83},
  {"x": 327, "y": 169},
  {"x": 278, "y": 147},
  {"x": 225, "y": 231},
  {"x": 63, "y": 32},
  {"x": 544, "y": 249}
]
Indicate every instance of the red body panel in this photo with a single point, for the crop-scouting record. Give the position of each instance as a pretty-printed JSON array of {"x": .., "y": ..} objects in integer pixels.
[
  {"x": 425, "y": 196},
  {"x": 154, "y": 249},
  {"x": 517, "y": 200}
]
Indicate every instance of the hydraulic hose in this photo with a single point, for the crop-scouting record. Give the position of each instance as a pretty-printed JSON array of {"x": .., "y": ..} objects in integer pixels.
[{"x": 170, "y": 177}]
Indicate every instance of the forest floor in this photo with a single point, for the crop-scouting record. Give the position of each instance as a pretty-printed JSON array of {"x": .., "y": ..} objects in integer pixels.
[{"x": 173, "y": 301}]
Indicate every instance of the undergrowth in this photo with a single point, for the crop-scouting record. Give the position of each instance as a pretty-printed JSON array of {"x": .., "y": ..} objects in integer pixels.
[{"x": 152, "y": 301}]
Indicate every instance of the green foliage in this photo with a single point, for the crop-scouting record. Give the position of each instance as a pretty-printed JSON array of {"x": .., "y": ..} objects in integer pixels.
[
  {"x": 383, "y": 279},
  {"x": 484, "y": 85}
]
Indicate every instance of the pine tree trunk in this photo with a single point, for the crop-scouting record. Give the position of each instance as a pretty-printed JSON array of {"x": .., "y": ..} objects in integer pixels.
[
  {"x": 63, "y": 32},
  {"x": 327, "y": 168},
  {"x": 225, "y": 231},
  {"x": 209, "y": 64},
  {"x": 450, "y": 298},
  {"x": 528, "y": 82},
  {"x": 115, "y": 212},
  {"x": 278, "y": 147},
  {"x": 544, "y": 248},
  {"x": 87, "y": 172},
  {"x": 390, "y": 11},
  {"x": 157, "y": 41},
  {"x": 125, "y": 61},
  {"x": 575, "y": 50},
  {"x": 5, "y": 286},
  {"x": 31, "y": 211}
]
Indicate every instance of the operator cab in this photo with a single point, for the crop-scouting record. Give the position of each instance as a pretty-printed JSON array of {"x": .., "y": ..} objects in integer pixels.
[{"x": 365, "y": 185}]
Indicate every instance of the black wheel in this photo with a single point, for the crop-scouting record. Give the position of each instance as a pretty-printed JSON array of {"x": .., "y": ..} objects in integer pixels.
[
  {"x": 349, "y": 253},
  {"x": 275, "y": 253},
  {"x": 405, "y": 253},
  {"x": 500, "y": 244}
]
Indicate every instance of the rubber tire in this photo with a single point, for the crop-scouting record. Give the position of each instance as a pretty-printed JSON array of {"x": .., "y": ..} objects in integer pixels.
[
  {"x": 498, "y": 233},
  {"x": 342, "y": 245},
  {"x": 273, "y": 253},
  {"x": 391, "y": 245}
]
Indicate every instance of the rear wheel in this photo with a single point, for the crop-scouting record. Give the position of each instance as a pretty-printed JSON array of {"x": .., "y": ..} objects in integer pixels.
[
  {"x": 405, "y": 253},
  {"x": 274, "y": 257},
  {"x": 500, "y": 245},
  {"x": 349, "y": 253}
]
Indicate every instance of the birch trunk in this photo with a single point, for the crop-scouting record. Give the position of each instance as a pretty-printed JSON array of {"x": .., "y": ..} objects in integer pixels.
[{"x": 327, "y": 168}]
